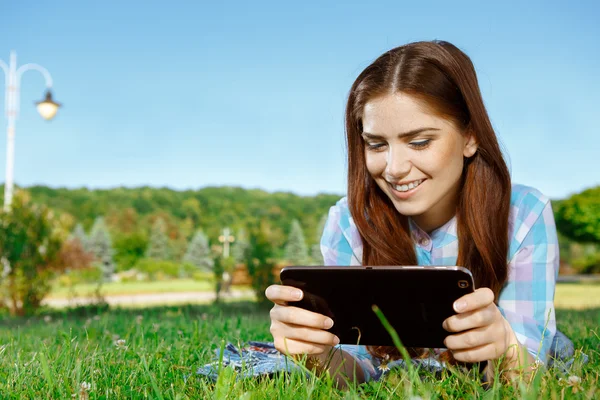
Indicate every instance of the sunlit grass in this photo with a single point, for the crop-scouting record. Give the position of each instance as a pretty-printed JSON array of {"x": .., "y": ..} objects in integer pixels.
[
  {"x": 122, "y": 288},
  {"x": 154, "y": 353},
  {"x": 577, "y": 295}
]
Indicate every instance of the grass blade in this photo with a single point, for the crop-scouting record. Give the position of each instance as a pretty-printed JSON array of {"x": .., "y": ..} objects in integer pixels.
[{"x": 414, "y": 377}]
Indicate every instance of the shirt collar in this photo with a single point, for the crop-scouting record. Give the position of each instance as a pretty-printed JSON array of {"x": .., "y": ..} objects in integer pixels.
[{"x": 439, "y": 237}]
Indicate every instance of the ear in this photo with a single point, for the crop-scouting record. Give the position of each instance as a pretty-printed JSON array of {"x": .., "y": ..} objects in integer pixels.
[{"x": 471, "y": 146}]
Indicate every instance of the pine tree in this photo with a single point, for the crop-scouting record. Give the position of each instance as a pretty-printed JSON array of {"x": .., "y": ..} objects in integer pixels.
[
  {"x": 296, "y": 251},
  {"x": 317, "y": 256},
  {"x": 198, "y": 252},
  {"x": 241, "y": 247},
  {"x": 79, "y": 234},
  {"x": 158, "y": 245},
  {"x": 100, "y": 245}
]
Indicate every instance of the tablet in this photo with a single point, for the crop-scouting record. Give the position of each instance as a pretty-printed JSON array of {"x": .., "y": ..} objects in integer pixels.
[{"x": 414, "y": 299}]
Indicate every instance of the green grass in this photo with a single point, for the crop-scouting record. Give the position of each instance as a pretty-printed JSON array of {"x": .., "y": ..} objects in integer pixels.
[
  {"x": 577, "y": 295},
  {"x": 165, "y": 345},
  {"x": 51, "y": 355},
  {"x": 117, "y": 288}
]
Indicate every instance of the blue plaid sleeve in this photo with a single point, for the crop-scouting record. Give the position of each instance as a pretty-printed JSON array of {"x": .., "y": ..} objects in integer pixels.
[{"x": 527, "y": 299}]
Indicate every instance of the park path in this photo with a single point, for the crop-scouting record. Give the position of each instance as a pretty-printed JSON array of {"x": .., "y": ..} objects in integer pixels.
[
  {"x": 151, "y": 298},
  {"x": 142, "y": 299}
]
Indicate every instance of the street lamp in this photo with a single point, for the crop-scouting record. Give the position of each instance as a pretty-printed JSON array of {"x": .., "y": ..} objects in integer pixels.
[{"x": 47, "y": 109}]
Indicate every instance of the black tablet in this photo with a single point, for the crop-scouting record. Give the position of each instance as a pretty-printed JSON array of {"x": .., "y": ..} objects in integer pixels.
[{"x": 415, "y": 300}]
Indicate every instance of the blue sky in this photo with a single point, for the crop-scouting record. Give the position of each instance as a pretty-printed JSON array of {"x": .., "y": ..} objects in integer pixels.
[{"x": 192, "y": 94}]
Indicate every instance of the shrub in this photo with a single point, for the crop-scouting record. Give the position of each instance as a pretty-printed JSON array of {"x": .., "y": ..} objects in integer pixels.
[{"x": 159, "y": 269}]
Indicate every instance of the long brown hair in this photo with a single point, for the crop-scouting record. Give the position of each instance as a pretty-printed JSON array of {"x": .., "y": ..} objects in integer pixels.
[{"x": 444, "y": 79}]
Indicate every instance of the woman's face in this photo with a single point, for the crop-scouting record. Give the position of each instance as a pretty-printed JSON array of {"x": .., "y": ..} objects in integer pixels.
[{"x": 415, "y": 157}]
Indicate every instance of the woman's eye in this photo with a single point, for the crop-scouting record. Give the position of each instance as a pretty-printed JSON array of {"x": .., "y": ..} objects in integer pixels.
[
  {"x": 375, "y": 146},
  {"x": 420, "y": 144}
]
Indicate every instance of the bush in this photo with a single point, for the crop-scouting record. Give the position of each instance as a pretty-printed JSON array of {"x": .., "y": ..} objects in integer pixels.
[
  {"x": 31, "y": 238},
  {"x": 589, "y": 264},
  {"x": 85, "y": 275},
  {"x": 159, "y": 269}
]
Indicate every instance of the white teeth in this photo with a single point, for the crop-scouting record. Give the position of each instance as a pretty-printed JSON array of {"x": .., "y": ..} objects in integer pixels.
[{"x": 410, "y": 186}]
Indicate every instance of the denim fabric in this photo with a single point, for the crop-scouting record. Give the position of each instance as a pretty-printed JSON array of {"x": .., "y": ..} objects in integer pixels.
[{"x": 262, "y": 359}]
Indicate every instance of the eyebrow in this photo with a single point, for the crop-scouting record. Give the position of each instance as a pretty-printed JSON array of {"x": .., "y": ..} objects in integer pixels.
[{"x": 414, "y": 132}]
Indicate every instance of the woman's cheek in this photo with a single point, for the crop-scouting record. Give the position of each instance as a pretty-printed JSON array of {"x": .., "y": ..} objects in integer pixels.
[{"x": 375, "y": 163}]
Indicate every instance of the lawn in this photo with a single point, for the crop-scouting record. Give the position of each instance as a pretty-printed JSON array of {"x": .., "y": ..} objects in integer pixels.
[{"x": 154, "y": 353}]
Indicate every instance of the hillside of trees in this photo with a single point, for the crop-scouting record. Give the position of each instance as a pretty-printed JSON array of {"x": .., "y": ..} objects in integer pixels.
[{"x": 130, "y": 213}]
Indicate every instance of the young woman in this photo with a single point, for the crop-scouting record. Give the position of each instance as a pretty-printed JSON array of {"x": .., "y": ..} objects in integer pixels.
[{"x": 427, "y": 185}]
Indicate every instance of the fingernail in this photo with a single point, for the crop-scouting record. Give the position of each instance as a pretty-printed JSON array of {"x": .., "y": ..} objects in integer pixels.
[
  {"x": 297, "y": 294},
  {"x": 459, "y": 305},
  {"x": 328, "y": 323},
  {"x": 336, "y": 340}
]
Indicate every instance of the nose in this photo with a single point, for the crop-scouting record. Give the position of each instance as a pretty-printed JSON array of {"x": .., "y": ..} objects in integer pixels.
[{"x": 398, "y": 164}]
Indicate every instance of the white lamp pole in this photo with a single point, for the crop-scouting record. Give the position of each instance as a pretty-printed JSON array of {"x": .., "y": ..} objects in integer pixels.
[{"x": 47, "y": 109}]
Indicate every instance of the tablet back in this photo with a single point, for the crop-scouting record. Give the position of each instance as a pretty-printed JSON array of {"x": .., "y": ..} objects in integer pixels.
[{"x": 415, "y": 300}]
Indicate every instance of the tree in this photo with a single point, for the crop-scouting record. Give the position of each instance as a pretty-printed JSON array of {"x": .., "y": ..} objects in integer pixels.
[
  {"x": 129, "y": 249},
  {"x": 241, "y": 246},
  {"x": 296, "y": 251},
  {"x": 198, "y": 252},
  {"x": 316, "y": 255},
  {"x": 30, "y": 242},
  {"x": 80, "y": 235},
  {"x": 578, "y": 217},
  {"x": 100, "y": 245},
  {"x": 158, "y": 246},
  {"x": 261, "y": 259}
]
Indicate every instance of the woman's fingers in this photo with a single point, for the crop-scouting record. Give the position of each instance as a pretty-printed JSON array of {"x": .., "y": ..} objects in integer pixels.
[
  {"x": 294, "y": 346},
  {"x": 295, "y": 330},
  {"x": 471, "y": 319},
  {"x": 471, "y": 339},
  {"x": 473, "y": 301},
  {"x": 305, "y": 334},
  {"x": 300, "y": 317},
  {"x": 477, "y": 354},
  {"x": 280, "y": 294}
]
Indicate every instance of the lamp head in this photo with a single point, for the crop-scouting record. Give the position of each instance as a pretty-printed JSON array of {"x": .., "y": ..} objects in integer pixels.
[{"x": 47, "y": 107}]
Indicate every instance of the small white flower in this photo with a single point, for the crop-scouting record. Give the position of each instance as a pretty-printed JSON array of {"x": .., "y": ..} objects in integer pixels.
[
  {"x": 180, "y": 333},
  {"x": 538, "y": 363},
  {"x": 85, "y": 386},
  {"x": 96, "y": 318},
  {"x": 47, "y": 319},
  {"x": 139, "y": 319},
  {"x": 383, "y": 367},
  {"x": 120, "y": 344},
  {"x": 155, "y": 327},
  {"x": 574, "y": 382}
]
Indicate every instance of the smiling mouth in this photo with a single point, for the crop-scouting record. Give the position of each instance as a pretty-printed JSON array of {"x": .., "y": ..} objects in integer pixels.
[{"x": 407, "y": 187}]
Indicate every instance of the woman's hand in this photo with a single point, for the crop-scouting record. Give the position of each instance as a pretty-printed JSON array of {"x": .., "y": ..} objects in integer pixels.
[
  {"x": 481, "y": 332},
  {"x": 295, "y": 330}
]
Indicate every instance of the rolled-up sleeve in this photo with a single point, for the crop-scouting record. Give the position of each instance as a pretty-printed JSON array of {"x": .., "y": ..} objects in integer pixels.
[{"x": 527, "y": 300}]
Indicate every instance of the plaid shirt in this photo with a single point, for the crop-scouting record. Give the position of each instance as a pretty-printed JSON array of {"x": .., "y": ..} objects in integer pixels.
[{"x": 526, "y": 300}]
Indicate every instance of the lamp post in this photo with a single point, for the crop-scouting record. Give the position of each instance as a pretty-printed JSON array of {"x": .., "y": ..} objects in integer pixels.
[{"x": 47, "y": 109}]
